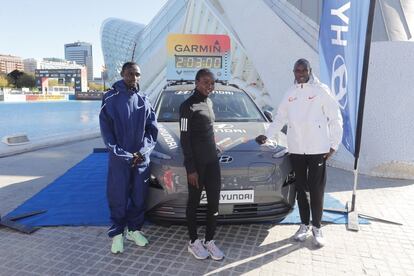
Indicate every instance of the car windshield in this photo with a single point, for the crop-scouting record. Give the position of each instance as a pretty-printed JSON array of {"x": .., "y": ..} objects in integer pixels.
[{"x": 228, "y": 106}]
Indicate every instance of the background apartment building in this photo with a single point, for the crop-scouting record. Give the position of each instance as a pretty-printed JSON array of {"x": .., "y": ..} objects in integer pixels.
[{"x": 10, "y": 63}]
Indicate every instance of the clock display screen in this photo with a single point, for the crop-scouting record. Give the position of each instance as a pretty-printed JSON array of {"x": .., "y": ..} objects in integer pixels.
[{"x": 211, "y": 62}]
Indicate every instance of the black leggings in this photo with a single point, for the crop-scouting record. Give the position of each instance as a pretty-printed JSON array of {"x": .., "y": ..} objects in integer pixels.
[
  {"x": 208, "y": 177},
  {"x": 310, "y": 172}
]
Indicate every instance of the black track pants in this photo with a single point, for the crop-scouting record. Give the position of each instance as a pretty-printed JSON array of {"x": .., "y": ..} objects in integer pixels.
[
  {"x": 210, "y": 179},
  {"x": 310, "y": 171}
]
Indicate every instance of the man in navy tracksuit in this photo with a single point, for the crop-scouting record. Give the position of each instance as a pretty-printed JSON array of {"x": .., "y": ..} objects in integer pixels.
[{"x": 129, "y": 130}]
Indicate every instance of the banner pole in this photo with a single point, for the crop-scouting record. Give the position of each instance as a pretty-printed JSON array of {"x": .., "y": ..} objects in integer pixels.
[
  {"x": 361, "y": 104},
  {"x": 354, "y": 190},
  {"x": 353, "y": 221}
]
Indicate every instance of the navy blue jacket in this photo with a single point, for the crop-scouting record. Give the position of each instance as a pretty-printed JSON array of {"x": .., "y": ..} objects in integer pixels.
[{"x": 128, "y": 123}]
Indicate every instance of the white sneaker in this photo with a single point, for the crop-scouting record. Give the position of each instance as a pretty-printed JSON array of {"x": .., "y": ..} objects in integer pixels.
[
  {"x": 137, "y": 237},
  {"x": 214, "y": 252},
  {"x": 318, "y": 238},
  {"x": 117, "y": 244},
  {"x": 198, "y": 250},
  {"x": 302, "y": 233}
]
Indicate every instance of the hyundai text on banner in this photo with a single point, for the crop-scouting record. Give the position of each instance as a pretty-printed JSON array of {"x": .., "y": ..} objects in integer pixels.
[{"x": 342, "y": 36}]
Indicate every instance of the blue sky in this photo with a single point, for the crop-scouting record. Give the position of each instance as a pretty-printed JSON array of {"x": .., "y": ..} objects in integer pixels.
[{"x": 40, "y": 28}]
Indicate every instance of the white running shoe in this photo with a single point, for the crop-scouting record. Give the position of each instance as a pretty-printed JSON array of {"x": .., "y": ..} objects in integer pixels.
[
  {"x": 117, "y": 244},
  {"x": 302, "y": 233},
  {"x": 198, "y": 250},
  {"x": 137, "y": 237},
  {"x": 318, "y": 238},
  {"x": 214, "y": 252}
]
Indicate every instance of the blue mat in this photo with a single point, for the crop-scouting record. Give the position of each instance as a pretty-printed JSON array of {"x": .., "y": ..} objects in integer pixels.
[
  {"x": 328, "y": 217},
  {"x": 78, "y": 198}
]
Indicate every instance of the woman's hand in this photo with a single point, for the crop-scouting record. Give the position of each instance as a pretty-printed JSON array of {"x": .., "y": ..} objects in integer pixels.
[{"x": 193, "y": 179}]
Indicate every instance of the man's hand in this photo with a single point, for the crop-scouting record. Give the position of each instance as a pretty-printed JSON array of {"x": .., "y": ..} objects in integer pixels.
[
  {"x": 331, "y": 151},
  {"x": 261, "y": 139},
  {"x": 193, "y": 179},
  {"x": 138, "y": 158}
]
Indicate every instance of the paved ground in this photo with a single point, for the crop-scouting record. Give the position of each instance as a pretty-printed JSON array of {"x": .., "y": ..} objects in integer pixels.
[{"x": 255, "y": 249}]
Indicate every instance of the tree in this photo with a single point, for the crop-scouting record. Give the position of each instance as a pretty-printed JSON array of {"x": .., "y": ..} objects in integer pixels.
[
  {"x": 53, "y": 82},
  {"x": 4, "y": 82},
  {"x": 94, "y": 86},
  {"x": 70, "y": 84},
  {"x": 26, "y": 80}
]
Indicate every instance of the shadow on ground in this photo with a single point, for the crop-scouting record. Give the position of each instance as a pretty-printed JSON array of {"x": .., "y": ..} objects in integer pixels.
[{"x": 340, "y": 180}]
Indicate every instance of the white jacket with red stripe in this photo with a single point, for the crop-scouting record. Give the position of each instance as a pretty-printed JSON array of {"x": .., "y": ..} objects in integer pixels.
[{"x": 312, "y": 116}]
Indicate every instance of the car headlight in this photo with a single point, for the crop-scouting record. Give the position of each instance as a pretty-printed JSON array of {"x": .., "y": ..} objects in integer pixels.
[
  {"x": 280, "y": 152},
  {"x": 160, "y": 155}
]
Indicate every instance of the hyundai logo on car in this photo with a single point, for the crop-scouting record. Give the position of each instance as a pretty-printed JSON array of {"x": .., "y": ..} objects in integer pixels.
[{"x": 225, "y": 159}]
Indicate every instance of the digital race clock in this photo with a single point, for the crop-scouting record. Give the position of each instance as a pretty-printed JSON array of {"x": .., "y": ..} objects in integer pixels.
[
  {"x": 188, "y": 53},
  {"x": 198, "y": 62}
]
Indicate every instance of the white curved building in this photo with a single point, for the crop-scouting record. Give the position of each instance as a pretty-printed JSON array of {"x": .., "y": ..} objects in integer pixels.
[
  {"x": 267, "y": 36},
  {"x": 118, "y": 38}
]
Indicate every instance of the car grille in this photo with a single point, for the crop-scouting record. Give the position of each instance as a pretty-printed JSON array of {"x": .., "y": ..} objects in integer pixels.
[{"x": 242, "y": 213}]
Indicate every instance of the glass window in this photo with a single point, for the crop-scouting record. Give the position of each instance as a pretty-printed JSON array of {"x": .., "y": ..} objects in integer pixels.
[{"x": 228, "y": 106}]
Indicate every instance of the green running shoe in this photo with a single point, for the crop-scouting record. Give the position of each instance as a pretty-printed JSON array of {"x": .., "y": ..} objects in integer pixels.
[
  {"x": 137, "y": 237},
  {"x": 117, "y": 244}
]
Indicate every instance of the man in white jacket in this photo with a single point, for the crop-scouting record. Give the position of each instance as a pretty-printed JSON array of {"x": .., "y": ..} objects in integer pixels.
[{"x": 314, "y": 132}]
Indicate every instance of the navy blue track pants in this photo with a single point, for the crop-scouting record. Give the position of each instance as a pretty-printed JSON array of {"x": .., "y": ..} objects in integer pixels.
[{"x": 126, "y": 192}]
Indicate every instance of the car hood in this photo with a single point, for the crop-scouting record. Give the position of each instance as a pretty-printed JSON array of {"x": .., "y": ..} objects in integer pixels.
[{"x": 232, "y": 136}]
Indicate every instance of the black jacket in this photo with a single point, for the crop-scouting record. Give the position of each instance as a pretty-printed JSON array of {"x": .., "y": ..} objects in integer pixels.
[{"x": 197, "y": 131}]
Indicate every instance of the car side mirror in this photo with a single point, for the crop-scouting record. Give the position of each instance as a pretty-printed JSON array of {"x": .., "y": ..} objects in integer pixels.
[{"x": 268, "y": 115}]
